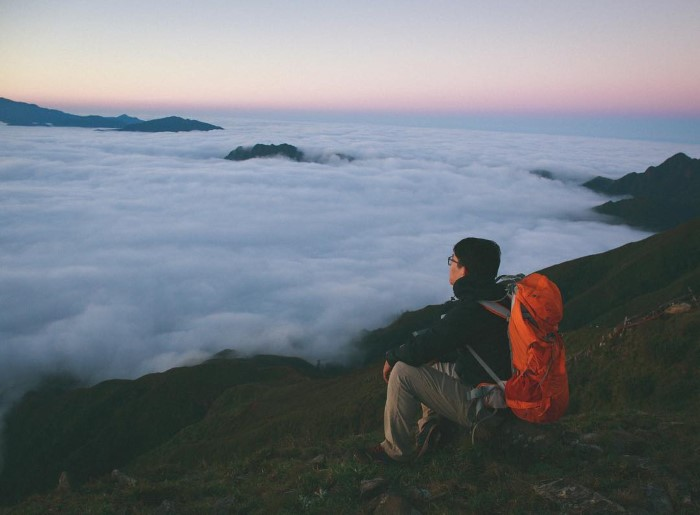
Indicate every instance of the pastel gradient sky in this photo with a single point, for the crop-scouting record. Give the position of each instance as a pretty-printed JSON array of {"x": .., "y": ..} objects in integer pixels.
[{"x": 621, "y": 57}]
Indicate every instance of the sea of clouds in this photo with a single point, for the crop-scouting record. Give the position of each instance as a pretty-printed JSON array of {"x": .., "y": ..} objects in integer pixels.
[{"x": 128, "y": 253}]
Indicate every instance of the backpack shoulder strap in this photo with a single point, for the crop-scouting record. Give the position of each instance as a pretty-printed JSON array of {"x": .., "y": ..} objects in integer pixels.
[
  {"x": 496, "y": 308},
  {"x": 500, "y": 310}
]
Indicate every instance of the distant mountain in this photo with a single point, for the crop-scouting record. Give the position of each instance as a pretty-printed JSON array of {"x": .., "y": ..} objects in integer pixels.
[
  {"x": 170, "y": 124},
  {"x": 260, "y": 150},
  {"x": 20, "y": 113},
  {"x": 283, "y": 150},
  {"x": 23, "y": 114},
  {"x": 662, "y": 197},
  {"x": 545, "y": 174}
]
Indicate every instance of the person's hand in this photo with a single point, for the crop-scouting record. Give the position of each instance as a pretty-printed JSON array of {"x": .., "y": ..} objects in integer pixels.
[{"x": 386, "y": 371}]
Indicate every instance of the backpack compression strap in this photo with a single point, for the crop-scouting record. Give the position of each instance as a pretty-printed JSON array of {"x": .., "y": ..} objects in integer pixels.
[
  {"x": 503, "y": 312},
  {"x": 501, "y": 384}
]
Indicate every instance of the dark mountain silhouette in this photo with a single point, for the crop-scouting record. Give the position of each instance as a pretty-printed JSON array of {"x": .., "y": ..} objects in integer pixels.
[
  {"x": 662, "y": 197},
  {"x": 170, "y": 124},
  {"x": 283, "y": 150},
  {"x": 545, "y": 174},
  {"x": 261, "y": 150},
  {"x": 20, "y": 113},
  {"x": 271, "y": 434}
]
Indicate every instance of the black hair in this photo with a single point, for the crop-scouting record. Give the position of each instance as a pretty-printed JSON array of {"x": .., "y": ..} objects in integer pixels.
[{"x": 481, "y": 257}]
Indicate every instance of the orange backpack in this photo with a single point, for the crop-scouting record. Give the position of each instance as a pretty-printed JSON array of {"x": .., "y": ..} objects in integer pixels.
[{"x": 538, "y": 390}]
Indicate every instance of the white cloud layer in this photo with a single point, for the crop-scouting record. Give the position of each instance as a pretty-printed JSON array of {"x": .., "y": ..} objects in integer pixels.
[{"x": 127, "y": 253}]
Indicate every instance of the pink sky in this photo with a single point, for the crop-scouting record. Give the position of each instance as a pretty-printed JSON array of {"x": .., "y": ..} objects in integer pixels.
[{"x": 623, "y": 57}]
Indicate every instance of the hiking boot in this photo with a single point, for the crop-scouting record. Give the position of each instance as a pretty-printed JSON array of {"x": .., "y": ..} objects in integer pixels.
[
  {"x": 429, "y": 437},
  {"x": 375, "y": 454}
]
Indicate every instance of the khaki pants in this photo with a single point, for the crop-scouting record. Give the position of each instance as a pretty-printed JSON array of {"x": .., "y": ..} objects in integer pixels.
[{"x": 414, "y": 391}]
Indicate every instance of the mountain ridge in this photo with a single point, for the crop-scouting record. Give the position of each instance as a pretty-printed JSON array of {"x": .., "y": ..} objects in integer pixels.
[
  {"x": 262, "y": 421},
  {"x": 32, "y": 115},
  {"x": 661, "y": 197},
  {"x": 282, "y": 150},
  {"x": 25, "y": 114},
  {"x": 170, "y": 124}
]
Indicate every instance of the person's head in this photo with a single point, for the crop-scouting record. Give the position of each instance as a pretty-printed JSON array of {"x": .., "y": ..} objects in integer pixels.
[{"x": 476, "y": 257}]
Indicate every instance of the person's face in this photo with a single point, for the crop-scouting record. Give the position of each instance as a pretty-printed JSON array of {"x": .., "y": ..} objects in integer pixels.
[{"x": 456, "y": 269}]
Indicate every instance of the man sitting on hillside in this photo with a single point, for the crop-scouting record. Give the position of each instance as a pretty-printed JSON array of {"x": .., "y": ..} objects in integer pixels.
[{"x": 433, "y": 371}]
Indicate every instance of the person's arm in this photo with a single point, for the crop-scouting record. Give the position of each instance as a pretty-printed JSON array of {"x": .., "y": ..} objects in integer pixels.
[{"x": 440, "y": 339}]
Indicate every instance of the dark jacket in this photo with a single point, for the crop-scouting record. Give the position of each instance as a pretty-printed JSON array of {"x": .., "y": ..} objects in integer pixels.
[{"x": 464, "y": 321}]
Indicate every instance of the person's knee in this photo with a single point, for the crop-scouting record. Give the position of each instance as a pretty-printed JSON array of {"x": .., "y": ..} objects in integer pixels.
[
  {"x": 402, "y": 374},
  {"x": 399, "y": 370}
]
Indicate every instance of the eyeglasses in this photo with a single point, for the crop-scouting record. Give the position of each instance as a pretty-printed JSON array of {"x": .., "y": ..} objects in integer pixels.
[{"x": 451, "y": 260}]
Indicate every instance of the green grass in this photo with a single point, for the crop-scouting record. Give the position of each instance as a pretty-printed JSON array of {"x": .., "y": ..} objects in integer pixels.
[
  {"x": 216, "y": 465},
  {"x": 275, "y": 435},
  {"x": 497, "y": 476}
]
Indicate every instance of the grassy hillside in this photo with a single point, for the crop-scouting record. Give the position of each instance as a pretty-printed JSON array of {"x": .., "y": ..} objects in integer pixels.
[
  {"x": 605, "y": 288},
  {"x": 89, "y": 431},
  {"x": 275, "y": 435}
]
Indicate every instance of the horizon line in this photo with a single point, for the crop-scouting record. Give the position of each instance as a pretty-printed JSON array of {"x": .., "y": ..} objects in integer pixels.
[{"x": 653, "y": 126}]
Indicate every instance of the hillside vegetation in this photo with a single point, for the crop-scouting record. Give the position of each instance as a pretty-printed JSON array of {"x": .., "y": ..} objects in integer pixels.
[{"x": 277, "y": 435}]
